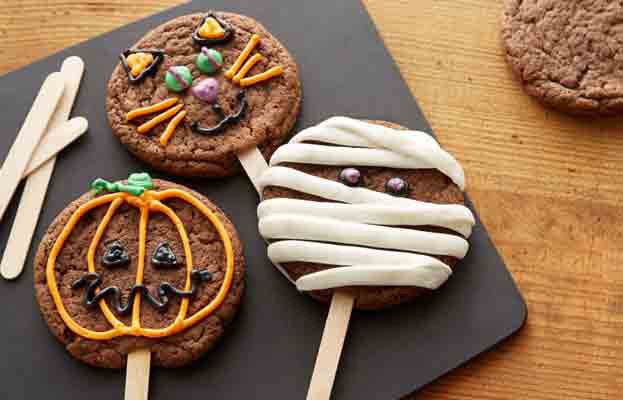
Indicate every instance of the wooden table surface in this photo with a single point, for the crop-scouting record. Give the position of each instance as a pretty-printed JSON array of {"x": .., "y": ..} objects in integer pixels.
[{"x": 548, "y": 187}]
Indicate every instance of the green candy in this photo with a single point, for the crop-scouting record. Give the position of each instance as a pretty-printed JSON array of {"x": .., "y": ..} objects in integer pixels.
[
  {"x": 178, "y": 78},
  {"x": 137, "y": 183},
  {"x": 209, "y": 60}
]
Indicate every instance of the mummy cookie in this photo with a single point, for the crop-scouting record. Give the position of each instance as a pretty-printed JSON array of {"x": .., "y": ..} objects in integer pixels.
[
  {"x": 366, "y": 206},
  {"x": 139, "y": 264},
  {"x": 194, "y": 92}
]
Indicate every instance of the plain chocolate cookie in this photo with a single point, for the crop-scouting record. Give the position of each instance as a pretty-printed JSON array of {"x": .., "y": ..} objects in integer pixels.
[
  {"x": 123, "y": 232},
  {"x": 567, "y": 53},
  {"x": 272, "y": 105},
  {"x": 427, "y": 185}
]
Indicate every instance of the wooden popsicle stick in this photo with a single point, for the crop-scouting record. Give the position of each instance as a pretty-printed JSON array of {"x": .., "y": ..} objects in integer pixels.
[
  {"x": 331, "y": 344},
  {"x": 137, "y": 375},
  {"x": 335, "y": 328},
  {"x": 56, "y": 140},
  {"x": 29, "y": 137},
  {"x": 253, "y": 164},
  {"x": 37, "y": 183}
]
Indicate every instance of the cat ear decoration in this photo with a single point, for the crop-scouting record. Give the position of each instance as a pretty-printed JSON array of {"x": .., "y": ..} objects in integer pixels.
[
  {"x": 212, "y": 30},
  {"x": 139, "y": 63}
]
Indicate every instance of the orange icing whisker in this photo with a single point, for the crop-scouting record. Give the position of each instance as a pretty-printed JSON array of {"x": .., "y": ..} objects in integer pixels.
[
  {"x": 151, "y": 109},
  {"x": 246, "y": 67},
  {"x": 255, "y": 39},
  {"x": 274, "y": 71},
  {"x": 147, "y": 126},
  {"x": 168, "y": 132}
]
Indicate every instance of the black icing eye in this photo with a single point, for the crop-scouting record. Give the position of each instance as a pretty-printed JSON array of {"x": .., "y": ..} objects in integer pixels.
[
  {"x": 350, "y": 177},
  {"x": 397, "y": 187},
  {"x": 163, "y": 256},
  {"x": 115, "y": 255}
]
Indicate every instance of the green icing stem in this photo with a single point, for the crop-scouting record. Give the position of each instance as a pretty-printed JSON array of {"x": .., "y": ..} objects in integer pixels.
[{"x": 137, "y": 184}]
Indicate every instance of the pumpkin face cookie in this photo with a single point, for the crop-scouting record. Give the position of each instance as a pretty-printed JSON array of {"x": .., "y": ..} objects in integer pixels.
[
  {"x": 139, "y": 264},
  {"x": 194, "y": 92},
  {"x": 368, "y": 207}
]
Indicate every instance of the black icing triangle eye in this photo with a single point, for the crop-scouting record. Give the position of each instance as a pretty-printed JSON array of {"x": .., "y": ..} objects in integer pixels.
[
  {"x": 164, "y": 256},
  {"x": 115, "y": 255},
  {"x": 139, "y": 63}
]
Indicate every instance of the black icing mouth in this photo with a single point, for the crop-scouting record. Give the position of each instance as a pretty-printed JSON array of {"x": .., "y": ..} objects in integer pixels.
[
  {"x": 159, "y": 302},
  {"x": 225, "y": 120},
  {"x": 229, "y": 32},
  {"x": 150, "y": 70}
]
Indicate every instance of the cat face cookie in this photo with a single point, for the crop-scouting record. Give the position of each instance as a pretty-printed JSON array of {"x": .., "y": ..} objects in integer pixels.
[
  {"x": 365, "y": 206},
  {"x": 139, "y": 264},
  {"x": 195, "y": 91}
]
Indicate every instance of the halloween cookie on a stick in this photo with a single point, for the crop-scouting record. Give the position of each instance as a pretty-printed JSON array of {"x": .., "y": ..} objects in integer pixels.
[
  {"x": 363, "y": 214},
  {"x": 198, "y": 90},
  {"x": 139, "y": 268}
]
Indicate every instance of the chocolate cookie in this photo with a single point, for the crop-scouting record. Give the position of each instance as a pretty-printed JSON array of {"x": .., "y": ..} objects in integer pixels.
[
  {"x": 567, "y": 53},
  {"x": 365, "y": 206},
  {"x": 197, "y": 90},
  {"x": 139, "y": 264}
]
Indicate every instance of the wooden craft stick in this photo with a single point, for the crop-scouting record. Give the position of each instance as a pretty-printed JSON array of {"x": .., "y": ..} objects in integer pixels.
[
  {"x": 37, "y": 183},
  {"x": 29, "y": 137},
  {"x": 253, "y": 164},
  {"x": 56, "y": 140},
  {"x": 137, "y": 375},
  {"x": 331, "y": 344},
  {"x": 335, "y": 328}
]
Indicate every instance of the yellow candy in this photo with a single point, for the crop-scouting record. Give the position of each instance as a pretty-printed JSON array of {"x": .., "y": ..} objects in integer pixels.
[
  {"x": 138, "y": 62},
  {"x": 211, "y": 29}
]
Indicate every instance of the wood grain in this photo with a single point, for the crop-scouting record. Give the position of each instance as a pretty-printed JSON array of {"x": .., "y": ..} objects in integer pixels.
[{"x": 549, "y": 187}]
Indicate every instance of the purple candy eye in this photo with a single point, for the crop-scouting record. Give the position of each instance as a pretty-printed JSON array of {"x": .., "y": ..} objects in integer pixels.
[
  {"x": 350, "y": 177},
  {"x": 397, "y": 187}
]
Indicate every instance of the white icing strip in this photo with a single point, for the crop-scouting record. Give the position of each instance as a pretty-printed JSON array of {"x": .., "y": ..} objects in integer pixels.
[
  {"x": 416, "y": 146},
  {"x": 290, "y": 178},
  {"x": 295, "y": 226},
  {"x": 452, "y": 216},
  {"x": 333, "y": 155},
  {"x": 432, "y": 271},
  {"x": 426, "y": 276},
  {"x": 359, "y": 266}
]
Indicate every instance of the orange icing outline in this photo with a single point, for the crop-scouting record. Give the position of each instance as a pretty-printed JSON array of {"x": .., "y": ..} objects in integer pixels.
[
  {"x": 255, "y": 39},
  {"x": 271, "y": 73},
  {"x": 148, "y": 201}
]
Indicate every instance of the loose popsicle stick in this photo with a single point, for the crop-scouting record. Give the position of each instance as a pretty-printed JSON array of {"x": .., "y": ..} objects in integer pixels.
[
  {"x": 137, "y": 375},
  {"x": 40, "y": 174},
  {"x": 56, "y": 140},
  {"x": 32, "y": 198},
  {"x": 335, "y": 328},
  {"x": 29, "y": 137}
]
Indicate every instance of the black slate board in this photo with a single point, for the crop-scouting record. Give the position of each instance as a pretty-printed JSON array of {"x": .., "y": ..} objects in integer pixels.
[{"x": 271, "y": 348}]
